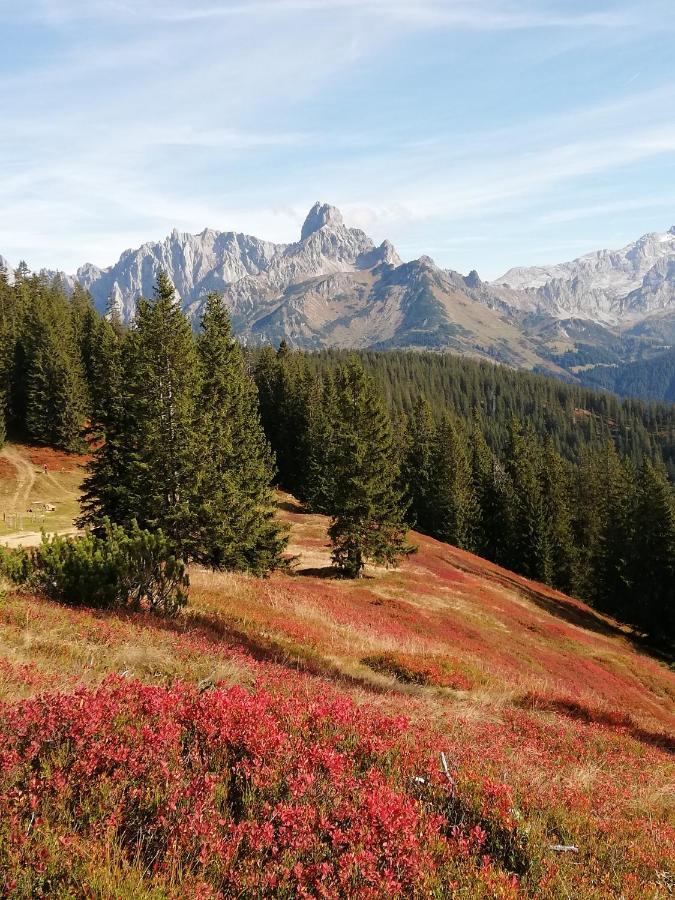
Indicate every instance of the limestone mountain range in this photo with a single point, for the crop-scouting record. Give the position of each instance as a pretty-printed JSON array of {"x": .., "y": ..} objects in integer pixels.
[{"x": 335, "y": 287}]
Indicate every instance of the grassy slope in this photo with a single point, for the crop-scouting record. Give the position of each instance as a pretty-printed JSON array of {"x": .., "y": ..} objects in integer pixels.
[
  {"x": 511, "y": 680},
  {"x": 24, "y": 481}
]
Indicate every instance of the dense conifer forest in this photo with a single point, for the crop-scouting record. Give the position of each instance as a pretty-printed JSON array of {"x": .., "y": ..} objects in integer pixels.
[
  {"x": 652, "y": 378},
  {"x": 189, "y": 433},
  {"x": 571, "y": 416},
  {"x": 562, "y": 485}
]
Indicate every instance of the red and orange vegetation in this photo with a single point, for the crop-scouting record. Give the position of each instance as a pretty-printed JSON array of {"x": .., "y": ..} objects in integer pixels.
[
  {"x": 282, "y": 737},
  {"x": 56, "y": 460}
]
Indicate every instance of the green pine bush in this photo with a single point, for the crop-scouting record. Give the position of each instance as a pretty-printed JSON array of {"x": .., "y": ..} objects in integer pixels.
[
  {"x": 132, "y": 569},
  {"x": 15, "y": 565}
]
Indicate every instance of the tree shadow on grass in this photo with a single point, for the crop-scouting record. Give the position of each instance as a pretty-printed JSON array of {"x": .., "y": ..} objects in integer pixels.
[
  {"x": 589, "y": 716},
  {"x": 287, "y": 506},
  {"x": 565, "y": 608},
  {"x": 261, "y": 647},
  {"x": 596, "y": 622},
  {"x": 320, "y": 572}
]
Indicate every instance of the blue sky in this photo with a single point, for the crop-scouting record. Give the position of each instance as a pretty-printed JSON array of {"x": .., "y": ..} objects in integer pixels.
[{"x": 485, "y": 133}]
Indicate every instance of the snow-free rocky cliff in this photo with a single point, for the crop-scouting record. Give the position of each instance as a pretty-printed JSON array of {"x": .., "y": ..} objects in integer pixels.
[
  {"x": 239, "y": 265},
  {"x": 335, "y": 287},
  {"x": 611, "y": 286}
]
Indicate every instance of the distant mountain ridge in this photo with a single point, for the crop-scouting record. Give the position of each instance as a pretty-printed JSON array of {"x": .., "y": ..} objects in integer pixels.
[
  {"x": 611, "y": 286},
  {"x": 334, "y": 287}
]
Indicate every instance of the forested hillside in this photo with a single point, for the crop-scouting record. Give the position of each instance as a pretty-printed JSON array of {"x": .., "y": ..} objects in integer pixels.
[
  {"x": 571, "y": 416},
  {"x": 564, "y": 485},
  {"x": 559, "y": 484},
  {"x": 652, "y": 378}
]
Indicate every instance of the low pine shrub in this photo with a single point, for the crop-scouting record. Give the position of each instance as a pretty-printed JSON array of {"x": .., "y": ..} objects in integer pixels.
[
  {"x": 15, "y": 565},
  {"x": 134, "y": 569}
]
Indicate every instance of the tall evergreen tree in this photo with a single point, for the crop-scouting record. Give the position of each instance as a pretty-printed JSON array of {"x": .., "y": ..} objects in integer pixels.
[
  {"x": 588, "y": 518},
  {"x": 418, "y": 474},
  {"x": 367, "y": 506},
  {"x": 55, "y": 390},
  {"x": 109, "y": 488},
  {"x": 163, "y": 380},
  {"x": 234, "y": 505},
  {"x": 612, "y": 573},
  {"x": 319, "y": 486},
  {"x": 284, "y": 382},
  {"x": 147, "y": 470},
  {"x": 452, "y": 500},
  {"x": 113, "y": 314},
  {"x": 653, "y": 561},
  {"x": 556, "y": 492},
  {"x": 492, "y": 489},
  {"x": 86, "y": 330},
  {"x": 529, "y": 550}
]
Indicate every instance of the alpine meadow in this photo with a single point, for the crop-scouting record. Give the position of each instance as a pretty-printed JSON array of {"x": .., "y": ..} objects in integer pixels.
[{"x": 326, "y": 570}]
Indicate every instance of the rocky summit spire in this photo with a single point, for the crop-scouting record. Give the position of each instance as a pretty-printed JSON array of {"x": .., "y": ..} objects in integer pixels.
[{"x": 318, "y": 216}]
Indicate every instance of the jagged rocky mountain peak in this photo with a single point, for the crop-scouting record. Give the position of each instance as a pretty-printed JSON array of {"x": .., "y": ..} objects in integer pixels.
[
  {"x": 388, "y": 254},
  {"x": 336, "y": 288},
  {"x": 609, "y": 286},
  {"x": 319, "y": 216}
]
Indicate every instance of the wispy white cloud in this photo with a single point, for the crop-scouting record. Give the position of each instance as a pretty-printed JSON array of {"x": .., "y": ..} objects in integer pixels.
[
  {"x": 473, "y": 14},
  {"x": 653, "y": 204},
  {"x": 139, "y": 116}
]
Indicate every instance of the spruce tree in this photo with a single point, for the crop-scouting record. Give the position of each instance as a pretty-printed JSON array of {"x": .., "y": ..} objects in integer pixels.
[
  {"x": 613, "y": 577},
  {"x": 86, "y": 329},
  {"x": 556, "y": 492},
  {"x": 108, "y": 490},
  {"x": 588, "y": 517},
  {"x": 147, "y": 469},
  {"x": 529, "y": 548},
  {"x": 284, "y": 382},
  {"x": 113, "y": 315},
  {"x": 492, "y": 489},
  {"x": 162, "y": 374},
  {"x": 452, "y": 501},
  {"x": 653, "y": 561},
  {"x": 54, "y": 392},
  {"x": 367, "y": 506},
  {"x": 319, "y": 486},
  {"x": 418, "y": 475},
  {"x": 234, "y": 506}
]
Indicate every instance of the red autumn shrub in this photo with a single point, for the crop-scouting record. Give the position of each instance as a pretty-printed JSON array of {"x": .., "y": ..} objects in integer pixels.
[{"x": 244, "y": 794}]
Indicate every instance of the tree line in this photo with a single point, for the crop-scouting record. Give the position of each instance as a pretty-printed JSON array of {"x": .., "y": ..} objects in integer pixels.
[{"x": 570, "y": 415}]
